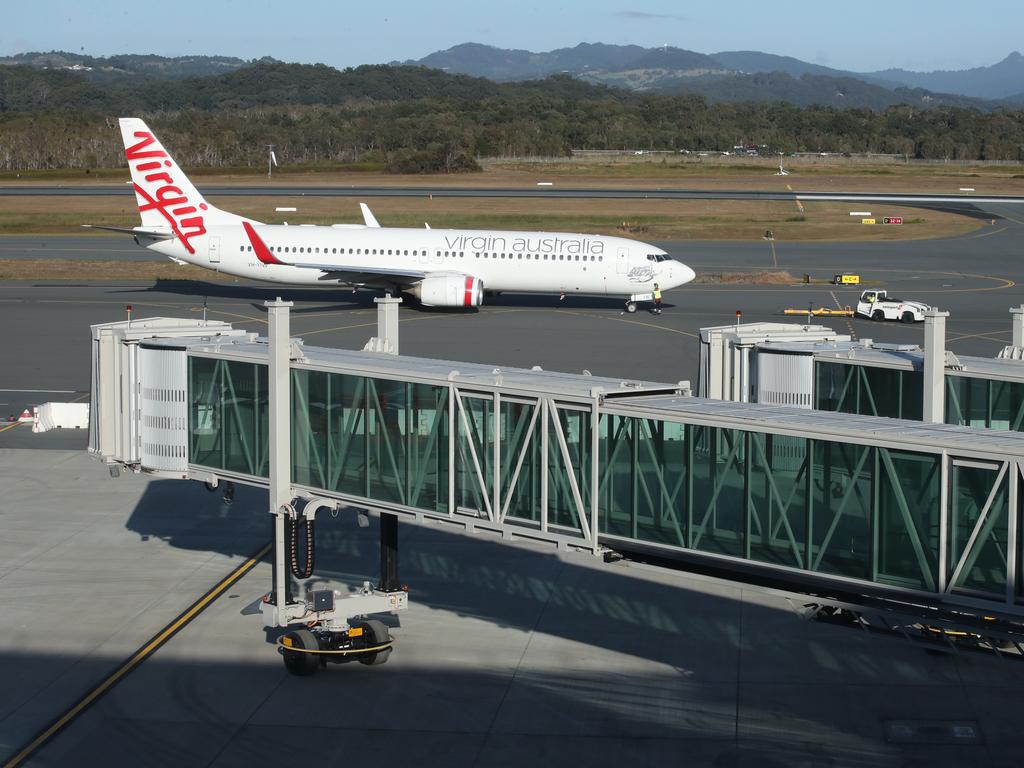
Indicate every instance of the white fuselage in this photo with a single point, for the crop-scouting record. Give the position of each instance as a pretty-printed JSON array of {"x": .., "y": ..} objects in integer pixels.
[{"x": 547, "y": 262}]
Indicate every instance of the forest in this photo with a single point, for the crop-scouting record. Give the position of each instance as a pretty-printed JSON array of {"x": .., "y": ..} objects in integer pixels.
[{"x": 412, "y": 119}]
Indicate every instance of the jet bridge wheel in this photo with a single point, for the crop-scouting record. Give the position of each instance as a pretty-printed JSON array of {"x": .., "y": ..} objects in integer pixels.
[
  {"x": 376, "y": 634},
  {"x": 303, "y": 661}
]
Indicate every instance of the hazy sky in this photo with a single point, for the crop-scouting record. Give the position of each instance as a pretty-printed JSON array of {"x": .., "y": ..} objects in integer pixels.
[{"x": 864, "y": 35}]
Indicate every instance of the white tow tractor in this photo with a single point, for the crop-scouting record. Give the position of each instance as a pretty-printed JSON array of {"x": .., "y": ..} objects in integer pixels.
[{"x": 878, "y": 306}]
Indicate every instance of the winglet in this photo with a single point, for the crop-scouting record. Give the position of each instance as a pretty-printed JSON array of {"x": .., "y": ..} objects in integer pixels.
[
  {"x": 368, "y": 217},
  {"x": 262, "y": 252}
]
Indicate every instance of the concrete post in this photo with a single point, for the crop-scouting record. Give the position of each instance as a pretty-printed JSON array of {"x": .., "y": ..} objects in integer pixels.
[
  {"x": 934, "y": 366},
  {"x": 279, "y": 435},
  {"x": 387, "y": 323},
  {"x": 1018, "y": 325}
]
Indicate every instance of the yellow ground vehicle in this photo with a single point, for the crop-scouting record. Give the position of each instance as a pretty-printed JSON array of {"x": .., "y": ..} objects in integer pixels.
[{"x": 846, "y": 280}]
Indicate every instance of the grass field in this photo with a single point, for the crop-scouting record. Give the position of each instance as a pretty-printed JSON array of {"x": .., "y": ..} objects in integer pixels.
[
  {"x": 809, "y": 174},
  {"x": 640, "y": 219}
]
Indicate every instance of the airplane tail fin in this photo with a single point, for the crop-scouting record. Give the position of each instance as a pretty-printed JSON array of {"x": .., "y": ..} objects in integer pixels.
[{"x": 167, "y": 199}]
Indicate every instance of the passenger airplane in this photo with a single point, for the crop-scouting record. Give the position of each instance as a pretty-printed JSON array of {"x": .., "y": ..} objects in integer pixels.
[{"x": 441, "y": 267}]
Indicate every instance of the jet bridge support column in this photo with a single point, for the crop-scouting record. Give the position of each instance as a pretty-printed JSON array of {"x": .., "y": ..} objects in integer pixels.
[
  {"x": 1018, "y": 325},
  {"x": 279, "y": 446},
  {"x": 386, "y": 339},
  {"x": 935, "y": 366},
  {"x": 389, "y": 553}
]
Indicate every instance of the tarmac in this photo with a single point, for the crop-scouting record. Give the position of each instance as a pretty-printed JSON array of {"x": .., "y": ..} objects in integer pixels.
[{"x": 511, "y": 652}]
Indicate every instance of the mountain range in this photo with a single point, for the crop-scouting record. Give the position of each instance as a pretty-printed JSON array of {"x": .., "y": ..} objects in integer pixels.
[
  {"x": 724, "y": 76},
  {"x": 730, "y": 75}
]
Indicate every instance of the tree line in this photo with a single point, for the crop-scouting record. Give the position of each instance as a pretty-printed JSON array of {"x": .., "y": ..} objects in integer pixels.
[{"x": 410, "y": 119}]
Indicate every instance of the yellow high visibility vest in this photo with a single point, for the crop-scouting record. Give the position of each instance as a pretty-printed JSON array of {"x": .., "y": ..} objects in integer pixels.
[{"x": 657, "y": 294}]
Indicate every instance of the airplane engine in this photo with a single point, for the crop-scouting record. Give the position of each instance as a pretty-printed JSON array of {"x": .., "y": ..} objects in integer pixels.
[{"x": 450, "y": 291}]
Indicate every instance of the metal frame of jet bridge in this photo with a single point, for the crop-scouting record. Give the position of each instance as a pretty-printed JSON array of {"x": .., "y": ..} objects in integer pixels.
[{"x": 921, "y": 511}]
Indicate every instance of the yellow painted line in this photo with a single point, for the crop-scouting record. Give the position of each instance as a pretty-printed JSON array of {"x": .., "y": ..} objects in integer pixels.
[
  {"x": 11, "y": 426},
  {"x": 368, "y": 325},
  {"x": 987, "y": 234},
  {"x": 626, "y": 320},
  {"x": 1003, "y": 283},
  {"x": 137, "y": 658},
  {"x": 1015, "y": 221},
  {"x": 235, "y": 314}
]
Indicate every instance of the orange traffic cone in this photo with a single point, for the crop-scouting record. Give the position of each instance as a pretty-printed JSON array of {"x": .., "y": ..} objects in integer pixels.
[{"x": 26, "y": 415}]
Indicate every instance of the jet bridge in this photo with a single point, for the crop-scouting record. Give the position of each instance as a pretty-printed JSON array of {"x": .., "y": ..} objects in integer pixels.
[{"x": 918, "y": 512}]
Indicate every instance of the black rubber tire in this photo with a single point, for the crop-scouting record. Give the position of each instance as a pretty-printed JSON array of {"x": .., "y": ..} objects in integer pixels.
[
  {"x": 298, "y": 663},
  {"x": 631, "y": 307},
  {"x": 376, "y": 633},
  {"x": 878, "y": 315},
  {"x": 907, "y": 317}
]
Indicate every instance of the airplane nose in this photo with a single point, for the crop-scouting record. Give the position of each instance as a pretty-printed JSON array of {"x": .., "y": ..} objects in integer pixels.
[{"x": 685, "y": 274}]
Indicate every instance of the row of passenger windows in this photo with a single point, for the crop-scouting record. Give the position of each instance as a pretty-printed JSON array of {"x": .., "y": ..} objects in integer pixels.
[
  {"x": 357, "y": 251},
  {"x": 444, "y": 254},
  {"x": 539, "y": 256}
]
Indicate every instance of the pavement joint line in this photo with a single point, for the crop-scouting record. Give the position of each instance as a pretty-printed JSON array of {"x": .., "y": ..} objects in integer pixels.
[
  {"x": 137, "y": 658},
  {"x": 991, "y": 336},
  {"x": 519, "y": 664}
]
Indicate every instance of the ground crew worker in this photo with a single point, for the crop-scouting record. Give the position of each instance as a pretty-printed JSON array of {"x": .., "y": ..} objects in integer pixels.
[{"x": 657, "y": 300}]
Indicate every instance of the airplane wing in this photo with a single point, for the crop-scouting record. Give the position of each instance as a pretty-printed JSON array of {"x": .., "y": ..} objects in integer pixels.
[
  {"x": 154, "y": 234},
  {"x": 346, "y": 273},
  {"x": 342, "y": 271}
]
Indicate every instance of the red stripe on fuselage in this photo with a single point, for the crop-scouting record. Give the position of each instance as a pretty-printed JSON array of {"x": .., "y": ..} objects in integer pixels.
[{"x": 259, "y": 247}]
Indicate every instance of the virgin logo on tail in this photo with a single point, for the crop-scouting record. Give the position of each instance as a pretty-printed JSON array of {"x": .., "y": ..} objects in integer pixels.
[{"x": 163, "y": 196}]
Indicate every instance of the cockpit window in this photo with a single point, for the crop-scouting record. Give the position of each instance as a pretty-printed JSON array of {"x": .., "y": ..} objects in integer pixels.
[{"x": 658, "y": 257}]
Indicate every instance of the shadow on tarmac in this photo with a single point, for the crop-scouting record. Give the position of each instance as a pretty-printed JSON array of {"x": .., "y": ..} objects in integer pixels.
[
  {"x": 344, "y": 299},
  {"x": 653, "y": 674}
]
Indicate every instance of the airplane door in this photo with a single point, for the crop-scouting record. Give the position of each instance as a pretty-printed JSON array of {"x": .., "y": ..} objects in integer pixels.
[
  {"x": 622, "y": 261},
  {"x": 215, "y": 250}
]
